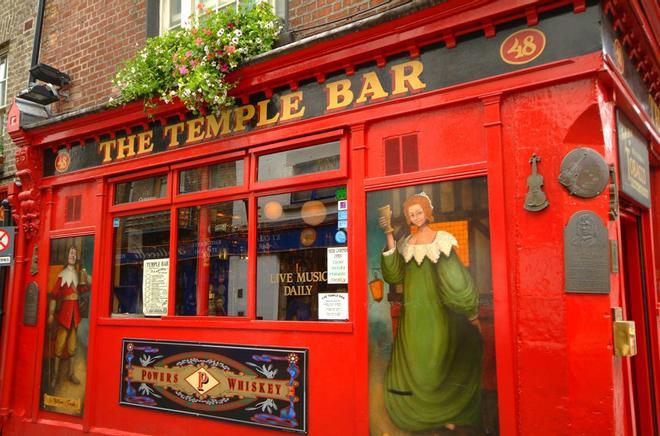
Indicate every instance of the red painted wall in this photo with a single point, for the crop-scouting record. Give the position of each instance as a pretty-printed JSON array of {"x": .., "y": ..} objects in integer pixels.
[{"x": 562, "y": 340}]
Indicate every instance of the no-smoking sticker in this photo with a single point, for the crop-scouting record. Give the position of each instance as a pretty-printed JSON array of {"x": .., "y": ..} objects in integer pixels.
[
  {"x": 5, "y": 240},
  {"x": 6, "y": 245}
]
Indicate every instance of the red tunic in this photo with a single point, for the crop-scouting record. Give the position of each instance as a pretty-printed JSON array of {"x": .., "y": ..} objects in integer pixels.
[{"x": 69, "y": 314}]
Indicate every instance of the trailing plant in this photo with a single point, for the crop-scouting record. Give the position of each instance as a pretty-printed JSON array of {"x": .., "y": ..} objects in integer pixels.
[{"x": 191, "y": 64}]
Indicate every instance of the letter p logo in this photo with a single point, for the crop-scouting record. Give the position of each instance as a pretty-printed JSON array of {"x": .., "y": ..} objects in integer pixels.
[{"x": 203, "y": 379}]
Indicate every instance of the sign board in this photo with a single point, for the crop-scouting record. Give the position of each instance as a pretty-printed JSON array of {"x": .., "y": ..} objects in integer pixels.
[
  {"x": 554, "y": 38},
  {"x": 337, "y": 265},
  {"x": 633, "y": 162},
  {"x": 261, "y": 386},
  {"x": 333, "y": 306},
  {"x": 7, "y": 245},
  {"x": 155, "y": 286}
]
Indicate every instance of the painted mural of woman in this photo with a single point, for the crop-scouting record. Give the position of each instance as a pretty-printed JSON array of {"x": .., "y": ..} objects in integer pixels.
[{"x": 434, "y": 376}]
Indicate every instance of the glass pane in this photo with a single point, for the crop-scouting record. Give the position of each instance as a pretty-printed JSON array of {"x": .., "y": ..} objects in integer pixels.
[
  {"x": 302, "y": 256},
  {"x": 140, "y": 241},
  {"x": 141, "y": 190},
  {"x": 221, "y": 175},
  {"x": 64, "y": 369},
  {"x": 308, "y": 160},
  {"x": 3, "y": 68},
  {"x": 430, "y": 305},
  {"x": 175, "y": 13},
  {"x": 211, "y": 269},
  {"x": 3, "y": 93}
]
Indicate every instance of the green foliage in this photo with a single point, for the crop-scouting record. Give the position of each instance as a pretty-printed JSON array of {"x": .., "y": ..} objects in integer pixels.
[{"x": 192, "y": 64}]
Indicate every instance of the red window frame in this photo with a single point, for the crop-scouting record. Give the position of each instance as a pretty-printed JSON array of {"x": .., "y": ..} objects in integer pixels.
[{"x": 251, "y": 190}]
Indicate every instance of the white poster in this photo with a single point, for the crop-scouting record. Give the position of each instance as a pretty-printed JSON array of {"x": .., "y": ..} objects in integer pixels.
[
  {"x": 155, "y": 286},
  {"x": 337, "y": 265},
  {"x": 333, "y": 306}
]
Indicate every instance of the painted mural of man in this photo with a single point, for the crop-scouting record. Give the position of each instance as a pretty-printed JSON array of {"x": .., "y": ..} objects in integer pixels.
[{"x": 64, "y": 314}]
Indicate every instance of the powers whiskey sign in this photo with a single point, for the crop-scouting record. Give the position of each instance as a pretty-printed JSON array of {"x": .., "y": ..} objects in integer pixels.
[{"x": 252, "y": 385}]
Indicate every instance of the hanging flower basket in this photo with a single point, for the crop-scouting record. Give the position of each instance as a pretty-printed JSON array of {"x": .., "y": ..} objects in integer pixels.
[{"x": 191, "y": 64}]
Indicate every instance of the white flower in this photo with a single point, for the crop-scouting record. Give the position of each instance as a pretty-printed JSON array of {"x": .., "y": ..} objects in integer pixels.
[
  {"x": 220, "y": 32},
  {"x": 238, "y": 32},
  {"x": 234, "y": 40}
]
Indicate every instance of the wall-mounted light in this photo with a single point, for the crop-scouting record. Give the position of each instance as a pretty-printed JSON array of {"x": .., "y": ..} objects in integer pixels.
[
  {"x": 40, "y": 94},
  {"x": 51, "y": 75},
  {"x": 47, "y": 92}
]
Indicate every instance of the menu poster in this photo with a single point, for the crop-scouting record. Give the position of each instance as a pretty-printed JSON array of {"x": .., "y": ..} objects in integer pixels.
[
  {"x": 333, "y": 306},
  {"x": 155, "y": 284},
  {"x": 337, "y": 265}
]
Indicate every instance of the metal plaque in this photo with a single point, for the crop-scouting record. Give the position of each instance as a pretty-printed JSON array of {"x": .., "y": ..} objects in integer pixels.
[
  {"x": 260, "y": 386},
  {"x": 31, "y": 304},
  {"x": 614, "y": 255},
  {"x": 584, "y": 173},
  {"x": 586, "y": 254}
]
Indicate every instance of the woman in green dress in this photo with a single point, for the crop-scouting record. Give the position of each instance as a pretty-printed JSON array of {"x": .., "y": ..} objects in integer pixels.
[{"x": 434, "y": 376}]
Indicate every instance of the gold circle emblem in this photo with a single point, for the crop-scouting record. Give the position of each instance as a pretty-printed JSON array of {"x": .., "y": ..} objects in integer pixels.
[
  {"x": 62, "y": 161},
  {"x": 522, "y": 47}
]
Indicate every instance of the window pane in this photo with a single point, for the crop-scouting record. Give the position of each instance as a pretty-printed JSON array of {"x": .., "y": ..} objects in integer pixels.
[
  {"x": 3, "y": 67},
  {"x": 221, "y": 175},
  {"x": 3, "y": 94},
  {"x": 137, "y": 238},
  {"x": 211, "y": 271},
  {"x": 308, "y": 160},
  {"x": 175, "y": 13},
  {"x": 296, "y": 234},
  {"x": 141, "y": 190}
]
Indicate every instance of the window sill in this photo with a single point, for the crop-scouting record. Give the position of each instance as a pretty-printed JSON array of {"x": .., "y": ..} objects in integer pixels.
[{"x": 229, "y": 323}]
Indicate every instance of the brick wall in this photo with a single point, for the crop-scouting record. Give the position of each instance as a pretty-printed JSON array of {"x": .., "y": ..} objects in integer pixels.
[
  {"x": 17, "y": 20},
  {"x": 88, "y": 39},
  {"x": 309, "y": 17}
]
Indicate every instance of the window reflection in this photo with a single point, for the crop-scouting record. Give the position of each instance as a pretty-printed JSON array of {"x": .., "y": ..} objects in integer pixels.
[
  {"x": 216, "y": 176},
  {"x": 141, "y": 190},
  {"x": 211, "y": 273},
  {"x": 295, "y": 231},
  {"x": 136, "y": 239},
  {"x": 307, "y": 160}
]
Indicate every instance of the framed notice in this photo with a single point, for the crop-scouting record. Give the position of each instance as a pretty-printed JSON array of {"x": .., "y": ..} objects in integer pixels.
[
  {"x": 260, "y": 386},
  {"x": 155, "y": 286},
  {"x": 633, "y": 162}
]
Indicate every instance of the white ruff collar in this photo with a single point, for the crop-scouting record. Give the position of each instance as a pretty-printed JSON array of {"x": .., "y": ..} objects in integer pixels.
[
  {"x": 69, "y": 276},
  {"x": 442, "y": 243}
]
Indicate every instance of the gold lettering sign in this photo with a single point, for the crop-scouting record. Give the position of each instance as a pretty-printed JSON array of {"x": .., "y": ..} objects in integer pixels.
[
  {"x": 340, "y": 94},
  {"x": 299, "y": 283}
]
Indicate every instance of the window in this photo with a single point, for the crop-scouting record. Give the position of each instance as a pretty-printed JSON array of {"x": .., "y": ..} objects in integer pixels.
[
  {"x": 307, "y": 160},
  {"x": 298, "y": 233},
  {"x": 138, "y": 240},
  {"x": 3, "y": 80},
  {"x": 141, "y": 190},
  {"x": 215, "y": 211},
  {"x": 175, "y": 13},
  {"x": 211, "y": 269},
  {"x": 3, "y": 96}
]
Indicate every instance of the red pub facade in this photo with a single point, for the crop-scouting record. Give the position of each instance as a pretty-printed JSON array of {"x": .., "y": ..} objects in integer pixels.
[{"x": 233, "y": 272}]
